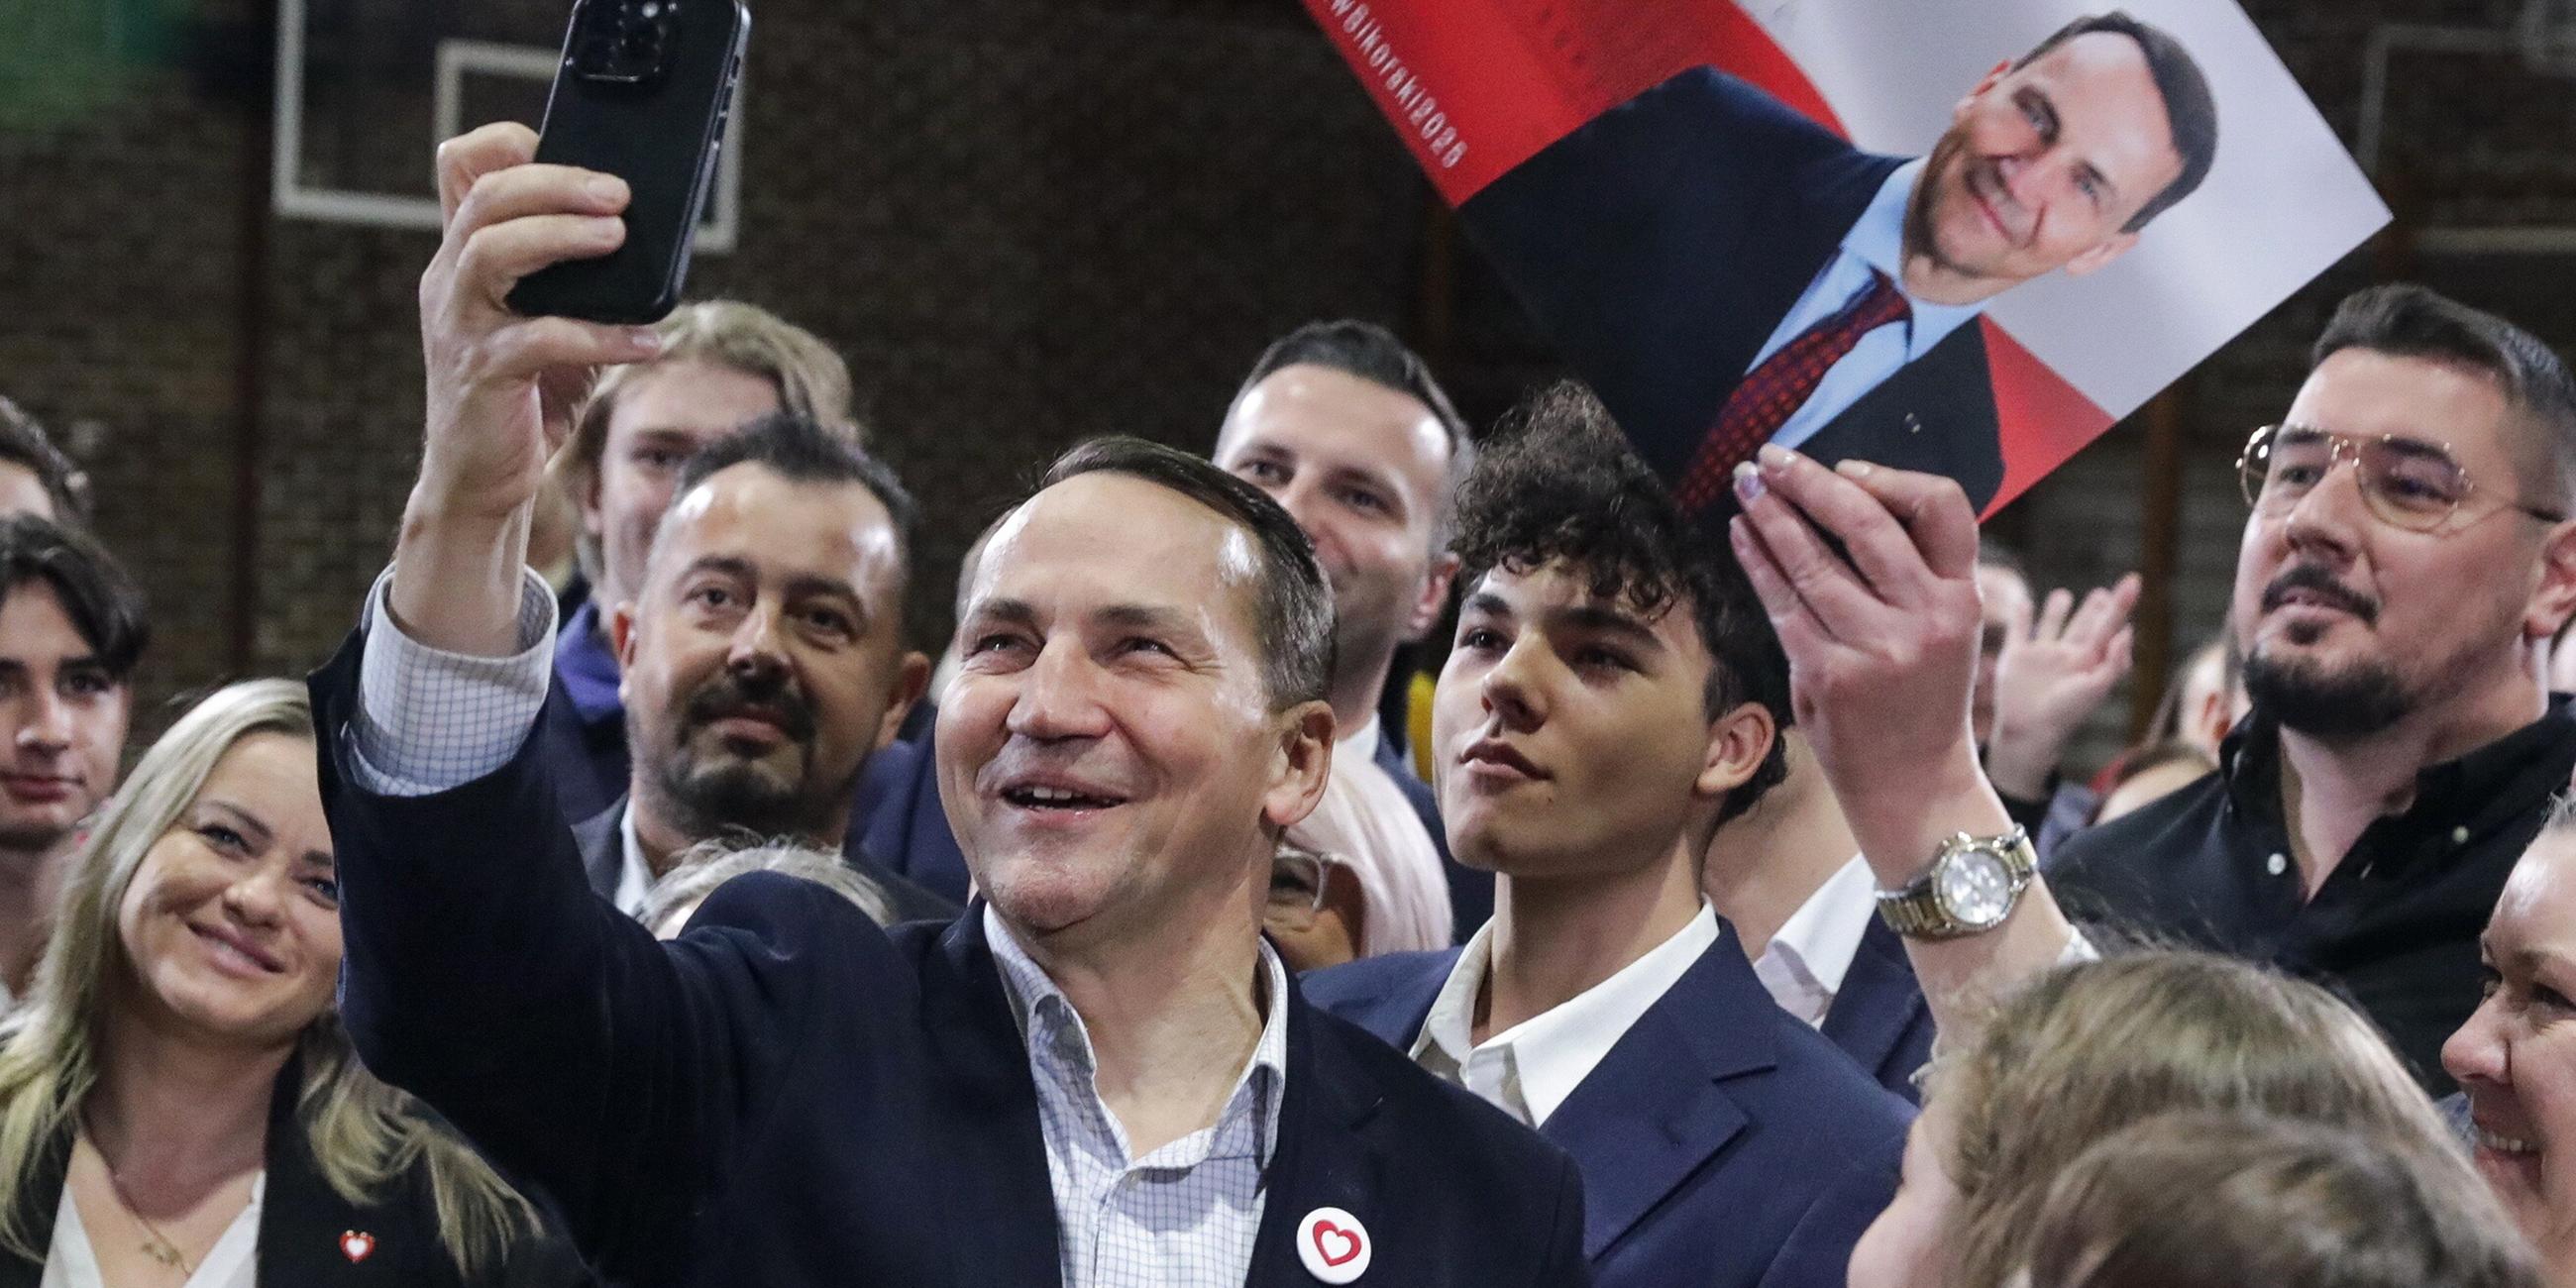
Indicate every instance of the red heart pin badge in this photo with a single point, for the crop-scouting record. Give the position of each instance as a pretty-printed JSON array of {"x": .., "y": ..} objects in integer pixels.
[
  {"x": 357, "y": 1245},
  {"x": 1334, "y": 1245}
]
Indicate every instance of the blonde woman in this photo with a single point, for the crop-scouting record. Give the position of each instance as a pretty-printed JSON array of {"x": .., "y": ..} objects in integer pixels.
[
  {"x": 178, "y": 1105},
  {"x": 2087, "y": 1050}
]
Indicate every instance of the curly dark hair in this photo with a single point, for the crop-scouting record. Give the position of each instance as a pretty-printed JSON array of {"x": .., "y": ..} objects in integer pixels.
[{"x": 1559, "y": 483}]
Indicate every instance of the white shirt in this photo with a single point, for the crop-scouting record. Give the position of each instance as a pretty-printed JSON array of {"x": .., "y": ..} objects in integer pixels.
[
  {"x": 1364, "y": 820},
  {"x": 634, "y": 875},
  {"x": 1876, "y": 242},
  {"x": 232, "y": 1263},
  {"x": 1804, "y": 965},
  {"x": 1187, "y": 1213},
  {"x": 1529, "y": 1069}
]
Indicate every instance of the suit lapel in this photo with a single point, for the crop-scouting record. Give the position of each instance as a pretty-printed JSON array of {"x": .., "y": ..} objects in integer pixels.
[
  {"x": 997, "y": 1145},
  {"x": 603, "y": 847},
  {"x": 1935, "y": 414},
  {"x": 1395, "y": 1012},
  {"x": 1329, "y": 1152},
  {"x": 1655, "y": 1110},
  {"x": 1878, "y": 1001},
  {"x": 39, "y": 1198}
]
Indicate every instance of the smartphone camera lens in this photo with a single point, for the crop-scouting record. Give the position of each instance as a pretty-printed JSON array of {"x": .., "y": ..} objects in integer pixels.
[{"x": 623, "y": 41}]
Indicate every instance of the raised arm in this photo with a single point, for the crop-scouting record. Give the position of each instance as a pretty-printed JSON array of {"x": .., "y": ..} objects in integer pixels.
[
  {"x": 481, "y": 972},
  {"x": 500, "y": 385},
  {"x": 1882, "y": 649}
]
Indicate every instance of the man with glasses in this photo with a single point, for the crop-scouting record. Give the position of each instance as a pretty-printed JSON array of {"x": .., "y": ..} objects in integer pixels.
[{"x": 2408, "y": 545}]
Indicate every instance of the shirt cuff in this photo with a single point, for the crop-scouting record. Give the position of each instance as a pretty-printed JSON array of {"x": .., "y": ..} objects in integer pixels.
[
  {"x": 2078, "y": 950},
  {"x": 430, "y": 720}
]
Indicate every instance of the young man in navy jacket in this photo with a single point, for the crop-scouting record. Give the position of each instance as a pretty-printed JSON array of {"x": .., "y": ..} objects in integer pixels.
[
  {"x": 1101, "y": 1075},
  {"x": 1603, "y": 710}
]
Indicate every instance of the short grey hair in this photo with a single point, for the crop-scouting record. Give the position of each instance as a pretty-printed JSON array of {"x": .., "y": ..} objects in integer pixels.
[{"x": 708, "y": 864}]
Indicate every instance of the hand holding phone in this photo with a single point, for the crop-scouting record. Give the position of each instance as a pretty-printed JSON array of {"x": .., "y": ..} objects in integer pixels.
[
  {"x": 643, "y": 92},
  {"x": 499, "y": 382}
]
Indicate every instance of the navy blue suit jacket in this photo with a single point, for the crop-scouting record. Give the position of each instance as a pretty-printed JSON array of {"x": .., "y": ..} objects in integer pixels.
[
  {"x": 1660, "y": 244},
  {"x": 789, "y": 1095},
  {"x": 1879, "y": 1018},
  {"x": 601, "y": 839},
  {"x": 1720, "y": 1139},
  {"x": 898, "y": 820}
]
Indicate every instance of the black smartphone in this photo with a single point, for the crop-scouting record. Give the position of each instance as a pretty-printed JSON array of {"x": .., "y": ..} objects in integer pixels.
[{"x": 643, "y": 93}]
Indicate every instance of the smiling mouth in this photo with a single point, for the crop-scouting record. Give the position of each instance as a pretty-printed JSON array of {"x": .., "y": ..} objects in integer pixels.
[
  {"x": 238, "y": 947},
  {"x": 2334, "y": 599},
  {"x": 2498, "y": 1143},
  {"x": 1982, "y": 184},
  {"x": 1057, "y": 798}
]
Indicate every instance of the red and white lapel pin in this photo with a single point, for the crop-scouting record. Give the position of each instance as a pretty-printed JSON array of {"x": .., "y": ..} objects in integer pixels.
[{"x": 1334, "y": 1245}]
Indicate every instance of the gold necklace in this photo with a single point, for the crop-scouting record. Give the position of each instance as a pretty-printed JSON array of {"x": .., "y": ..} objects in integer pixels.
[{"x": 156, "y": 1245}]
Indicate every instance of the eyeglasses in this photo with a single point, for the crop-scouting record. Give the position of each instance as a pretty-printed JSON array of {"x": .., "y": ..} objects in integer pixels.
[
  {"x": 2409, "y": 483},
  {"x": 1297, "y": 883}
]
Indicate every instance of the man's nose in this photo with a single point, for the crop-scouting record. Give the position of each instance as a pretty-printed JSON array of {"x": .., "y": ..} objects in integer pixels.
[
  {"x": 1512, "y": 689},
  {"x": 2327, "y": 517},
  {"x": 1303, "y": 502},
  {"x": 1059, "y": 695},
  {"x": 48, "y": 724},
  {"x": 756, "y": 647}
]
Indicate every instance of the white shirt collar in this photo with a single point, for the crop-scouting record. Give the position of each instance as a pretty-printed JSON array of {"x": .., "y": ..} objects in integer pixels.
[
  {"x": 1877, "y": 239},
  {"x": 1361, "y": 741},
  {"x": 634, "y": 875},
  {"x": 1817, "y": 943},
  {"x": 1033, "y": 994},
  {"x": 1530, "y": 1069}
]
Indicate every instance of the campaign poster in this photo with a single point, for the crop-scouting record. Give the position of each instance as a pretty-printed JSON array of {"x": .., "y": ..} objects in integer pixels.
[{"x": 1962, "y": 236}]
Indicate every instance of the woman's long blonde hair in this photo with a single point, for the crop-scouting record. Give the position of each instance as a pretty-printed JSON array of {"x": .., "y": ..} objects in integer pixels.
[
  {"x": 2089, "y": 1049},
  {"x": 364, "y": 1135}
]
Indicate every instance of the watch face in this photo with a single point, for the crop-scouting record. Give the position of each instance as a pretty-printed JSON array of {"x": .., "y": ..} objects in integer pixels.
[{"x": 1974, "y": 887}]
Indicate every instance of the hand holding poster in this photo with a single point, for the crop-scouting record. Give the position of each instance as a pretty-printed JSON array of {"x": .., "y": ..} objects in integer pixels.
[{"x": 1961, "y": 236}]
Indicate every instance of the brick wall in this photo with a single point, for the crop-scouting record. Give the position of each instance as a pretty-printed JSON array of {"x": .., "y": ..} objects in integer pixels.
[
  {"x": 1025, "y": 221},
  {"x": 1025, "y": 224}
]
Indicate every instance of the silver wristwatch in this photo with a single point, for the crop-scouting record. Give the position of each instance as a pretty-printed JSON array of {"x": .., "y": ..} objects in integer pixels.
[{"x": 1972, "y": 885}]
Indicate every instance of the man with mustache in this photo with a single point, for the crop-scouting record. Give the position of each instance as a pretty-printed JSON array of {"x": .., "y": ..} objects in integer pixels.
[
  {"x": 761, "y": 659},
  {"x": 722, "y": 364},
  {"x": 1727, "y": 272},
  {"x": 2409, "y": 544}
]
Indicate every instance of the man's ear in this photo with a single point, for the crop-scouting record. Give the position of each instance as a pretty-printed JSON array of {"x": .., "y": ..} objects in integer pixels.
[
  {"x": 2554, "y": 599},
  {"x": 1305, "y": 765},
  {"x": 911, "y": 680},
  {"x": 620, "y": 621},
  {"x": 1738, "y": 742},
  {"x": 2099, "y": 256},
  {"x": 1434, "y": 597}
]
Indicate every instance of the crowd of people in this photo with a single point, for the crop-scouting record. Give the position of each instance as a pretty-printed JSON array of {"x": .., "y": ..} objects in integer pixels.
[{"x": 629, "y": 903}]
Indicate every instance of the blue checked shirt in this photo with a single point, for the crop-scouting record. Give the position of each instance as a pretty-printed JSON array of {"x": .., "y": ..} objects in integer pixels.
[{"x": 1182, "y": 1216}]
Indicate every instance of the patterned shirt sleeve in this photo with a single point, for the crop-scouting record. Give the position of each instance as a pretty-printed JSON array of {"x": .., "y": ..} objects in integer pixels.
[{"x": 429, "y": 720}]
